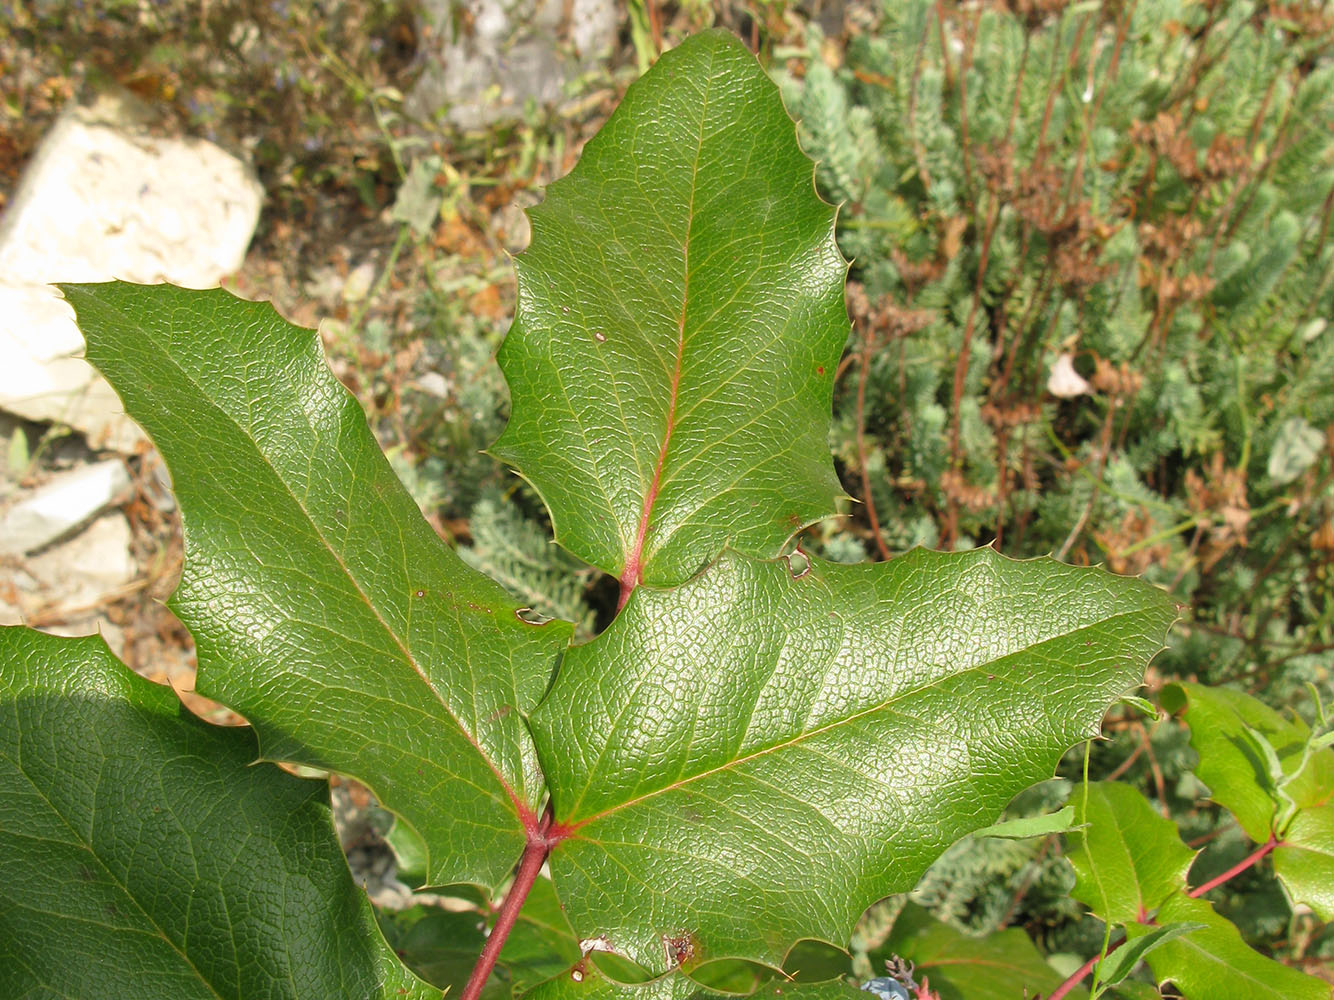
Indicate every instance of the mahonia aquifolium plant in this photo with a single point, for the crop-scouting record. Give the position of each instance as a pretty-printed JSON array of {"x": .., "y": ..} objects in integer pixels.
[{"x": 759, "y": 746}]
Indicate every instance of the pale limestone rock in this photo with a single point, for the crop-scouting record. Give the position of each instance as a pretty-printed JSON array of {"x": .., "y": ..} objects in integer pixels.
[
  {"x": 60, "y": 505},
  {"x": 102, "y": 200},
  {"x": 84, "y": 571},
  {"x": 494, "y": 55}
]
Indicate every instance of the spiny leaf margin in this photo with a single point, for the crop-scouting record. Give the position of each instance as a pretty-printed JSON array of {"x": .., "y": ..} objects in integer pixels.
[
  {"x": 679, "y": 321},
  {"x": 324, "y": 608},
  {"x": 754, "y": 758}
]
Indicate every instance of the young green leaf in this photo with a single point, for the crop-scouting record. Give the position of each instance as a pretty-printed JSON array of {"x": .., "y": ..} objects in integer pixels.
[
  {"x": 1212, "y": 962},
  {"x": 754, "y": 758},
  {"x": 1241, "y": 743},
  {"x": 325, "y": 608},
  {"x": 679, "y": 320},
  {"x": 1114, "y": 968},
  {"x": 1128, "y": 859},
  {"x": 144, "y": 857},
  {"x": 1222, "y": 724},
  {"x": 1025, "y": 827}
]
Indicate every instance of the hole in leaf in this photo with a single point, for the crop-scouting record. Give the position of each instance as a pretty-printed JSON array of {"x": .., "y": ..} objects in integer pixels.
[
  {"x": 530, "y": 617},
  {"x": 798, "y": 564}
]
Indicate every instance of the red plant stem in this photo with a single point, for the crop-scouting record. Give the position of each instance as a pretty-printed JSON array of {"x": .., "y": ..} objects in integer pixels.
[
  {"x": 1076, "y": 976},
  {"x": 1236, "y": 869},
  {"x": 540, "y": 842}
]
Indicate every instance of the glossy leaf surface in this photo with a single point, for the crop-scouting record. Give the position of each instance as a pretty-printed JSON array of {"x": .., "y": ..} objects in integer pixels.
[
  {"x": 144, "y": 856},
  {"x": 754, "y": 758},
  {"x": 1213, "y": 962},
  {"x": 324, "y": 607},
  {"x": 1129, "y": 859},
  {"x": 680, "y": 316},
  {"x": 1304, "y": 862}
]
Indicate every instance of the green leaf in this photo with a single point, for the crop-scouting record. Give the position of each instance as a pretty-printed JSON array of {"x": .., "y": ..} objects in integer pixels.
[
  {"x": 442, "y": 946},
  {"x": 1213, "y": 962},
  {"x": 143, "y": 856},
  {"x": 1128, "y": 858},
  {"x": 1001, "y": 966},
  {"x": 1304, "y": 861},
  {"x": 679, "y": 320},
  {"x": 1025, "y": 827},
  {"x": 324, "y": 607},
  {"x": 755, "y": 758},
  {"x": 1234, "y": 735},
  {"x": 1145, "y": 707},
  {"x": 1133, "y": 989},
  {"x": 1114, "y": 968},
  {"x": 418, "y": 201}
]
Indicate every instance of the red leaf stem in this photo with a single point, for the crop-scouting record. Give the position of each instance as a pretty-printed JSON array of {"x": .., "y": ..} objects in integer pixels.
[
  {"x": 1238, "y": 868},
  {"x": 541, "y": 839},
  {"x": 1081, "y": 972}
]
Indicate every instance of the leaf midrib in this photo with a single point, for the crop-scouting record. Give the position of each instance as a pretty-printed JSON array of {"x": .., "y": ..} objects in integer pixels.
[
  {"x": 207, "y": 398},
  {"x": 799, "y": 738},
  {"x": 634, "y": 566}
]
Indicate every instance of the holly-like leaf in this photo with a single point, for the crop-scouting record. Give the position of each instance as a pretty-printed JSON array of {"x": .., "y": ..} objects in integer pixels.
[
  {"x": 1304, "y": 861},
  {"x": 1213, "y": 961},
  {"x": 324, "y": 607},
  {"x": 680, "y": 316},
  {"x": 1128, "y": 859},
  {"x": 754, "y": 758},
  {"x": 1239, "y": 739},
  {"x": 1001, "y": 966},
  {"x": 144, "y": 857}
]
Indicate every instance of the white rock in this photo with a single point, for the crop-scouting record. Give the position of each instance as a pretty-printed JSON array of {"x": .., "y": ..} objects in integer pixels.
[
  {"x": 61, "y": 505},
  {"x": 103, "y": 200},
  {"x": 495, "y": 55},
  {"x": 82, "y": 572},
  {"x": 1064, "y": 382}
]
